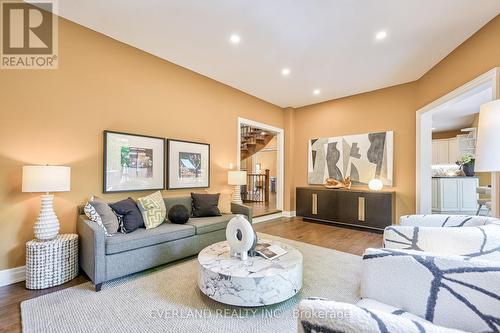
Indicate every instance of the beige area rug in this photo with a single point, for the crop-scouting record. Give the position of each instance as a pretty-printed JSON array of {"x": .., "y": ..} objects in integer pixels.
[{"x": 168, "y": 300}]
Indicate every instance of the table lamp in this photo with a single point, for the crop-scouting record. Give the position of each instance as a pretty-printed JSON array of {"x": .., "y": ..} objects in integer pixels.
[
  {"x": 237, "y": 178},
  {"x": 488, "y": 138},
  {"x": 46, "y": 178}
]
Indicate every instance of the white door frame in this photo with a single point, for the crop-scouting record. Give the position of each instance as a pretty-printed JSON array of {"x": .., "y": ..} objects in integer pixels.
[
  {"x": 424, "y": 138},
  {"x": 280, "y": 166}
]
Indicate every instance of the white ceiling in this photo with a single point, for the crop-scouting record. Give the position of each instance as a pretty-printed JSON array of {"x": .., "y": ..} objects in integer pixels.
[
  {"x": 328, "y": 45},
  {"x": 461, "y": 114}
]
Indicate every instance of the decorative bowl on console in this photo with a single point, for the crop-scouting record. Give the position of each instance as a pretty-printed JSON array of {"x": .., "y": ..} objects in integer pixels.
[{"x": 336, "y": 184}]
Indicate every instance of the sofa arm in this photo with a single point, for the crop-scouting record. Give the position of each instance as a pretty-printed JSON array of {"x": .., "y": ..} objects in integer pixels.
[
  {"x": 242, "y": 209},
  {"x": 440, "y": 220},
  {"x": 92, "y": 249},
  {"x": 434, "y": 287},
  {"x": 330, "y": 316},
  {"x": 474, "y": 242}
]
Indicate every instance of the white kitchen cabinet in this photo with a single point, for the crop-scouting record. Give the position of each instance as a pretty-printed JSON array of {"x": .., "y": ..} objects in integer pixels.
[
  {"x": 455, "y": 195},
  {"x": 434, "y": 194},
  {"x": 449, "y": 189},
  {"x": 442, "y": 152},
  {"x": 453, "y": 151},
  {"x": 445, "y": 151},
  {"x": 469, "y": 196}
]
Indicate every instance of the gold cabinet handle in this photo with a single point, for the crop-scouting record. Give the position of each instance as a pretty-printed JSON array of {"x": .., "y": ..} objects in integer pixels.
[
  {"x": 361, "y": 209},
  {"x": 314, "y": 204}
]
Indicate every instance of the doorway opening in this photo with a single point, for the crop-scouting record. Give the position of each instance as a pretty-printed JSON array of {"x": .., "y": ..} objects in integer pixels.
[
  {"x": 446, "y": 138},
  {"x": 260, "y": 154}
]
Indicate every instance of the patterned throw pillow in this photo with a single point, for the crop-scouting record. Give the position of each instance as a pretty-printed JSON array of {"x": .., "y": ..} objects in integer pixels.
[
  {"x": 92, "y": 214},
  {"x": 153, "y": 209},
  {"x": 108, "y": 216}
]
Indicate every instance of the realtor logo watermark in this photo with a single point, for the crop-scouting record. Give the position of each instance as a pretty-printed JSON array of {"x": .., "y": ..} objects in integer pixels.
[{"x": 29, "y": 35}]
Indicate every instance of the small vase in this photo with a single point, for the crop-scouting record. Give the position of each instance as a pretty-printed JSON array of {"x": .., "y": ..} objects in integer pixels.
[{"x": 468, "y": 169}]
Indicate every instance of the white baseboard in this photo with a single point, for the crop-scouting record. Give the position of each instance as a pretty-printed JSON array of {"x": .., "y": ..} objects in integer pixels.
[
  {"x": 273, "y": 216},
  {"x": 12, "y": 275},
  {"x": 267, "y": 217}
]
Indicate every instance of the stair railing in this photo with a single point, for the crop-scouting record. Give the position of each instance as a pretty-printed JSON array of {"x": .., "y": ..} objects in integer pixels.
[{"x": 257, "y": 187}]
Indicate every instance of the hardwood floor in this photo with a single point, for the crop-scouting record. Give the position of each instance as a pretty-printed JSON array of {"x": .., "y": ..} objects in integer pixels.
[
  {"x": 264, "y": 208},
  {"x": 326, "y": 235},
  {"x": 341, "y": 239}
]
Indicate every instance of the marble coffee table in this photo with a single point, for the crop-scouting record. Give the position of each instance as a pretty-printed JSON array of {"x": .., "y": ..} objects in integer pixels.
[{"x": 254, "y": 282}]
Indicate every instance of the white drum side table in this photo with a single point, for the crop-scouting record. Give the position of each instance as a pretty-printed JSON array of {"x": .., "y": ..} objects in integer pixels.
[{"x": 51, "y": 263}]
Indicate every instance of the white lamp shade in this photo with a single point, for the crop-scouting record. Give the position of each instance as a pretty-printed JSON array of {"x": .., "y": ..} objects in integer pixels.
[
  {"x": 488, "y": 138},
  {"x": 237, "y": 177},
  {"x": 46, "y": 178}
]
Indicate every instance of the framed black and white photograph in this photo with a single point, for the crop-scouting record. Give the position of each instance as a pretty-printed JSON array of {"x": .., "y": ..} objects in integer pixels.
[
  {"x": 133, "y": 162},
  {"x": 188, "y": 164}
]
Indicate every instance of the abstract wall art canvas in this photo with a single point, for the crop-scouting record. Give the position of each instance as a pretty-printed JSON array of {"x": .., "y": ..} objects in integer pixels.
[
  {"x": 362, "y": 157},
  {"x": 133, "y": 162},
  {"x": 188, "y": 164}
]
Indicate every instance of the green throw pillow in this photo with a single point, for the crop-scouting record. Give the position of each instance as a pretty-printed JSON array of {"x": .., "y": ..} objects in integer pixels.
[{"x": 153, "y": 209}]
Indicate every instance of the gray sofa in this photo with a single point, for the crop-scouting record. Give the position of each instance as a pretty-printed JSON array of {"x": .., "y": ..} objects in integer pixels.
[{"x": 106, "y": 258}]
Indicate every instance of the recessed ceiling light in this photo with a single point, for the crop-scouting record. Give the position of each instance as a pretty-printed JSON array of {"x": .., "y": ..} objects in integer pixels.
[
  {"x": 235, "y": 39},
  {"x": 381, "y": 35},
  {"x": 316, "y": 91},
  {"x": 285, "y": 71}
]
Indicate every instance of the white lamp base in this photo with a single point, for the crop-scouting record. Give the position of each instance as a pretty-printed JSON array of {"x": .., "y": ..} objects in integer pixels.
[
  {"x": 237, "y": 195},
  {"x": 46, "y": 225}
]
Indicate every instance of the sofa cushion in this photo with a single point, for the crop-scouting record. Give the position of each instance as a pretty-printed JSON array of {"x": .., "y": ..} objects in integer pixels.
[
  {"x": 204, "y": 225},
  {"x": 178, "y": 214},
  {"x": 181, "y": 200},
  {"x": 131, "y": 215},
  {"x": 205, "y": 205},
  {"x": 146, "y": 237},
  {"x": 153, "y": 209},
  {"x": 108, "y": 217},
  {"x": 93, "y": 216}
]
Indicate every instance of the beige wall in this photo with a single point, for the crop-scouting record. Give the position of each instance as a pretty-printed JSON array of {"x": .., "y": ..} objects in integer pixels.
[
  {"x": 476, "y": 56},
  {"x": 57, "y": 117},
  {"x": 267, "y": 160},
  {"x": 391, "y": 109},
  {"x": 289, "y": 183}
]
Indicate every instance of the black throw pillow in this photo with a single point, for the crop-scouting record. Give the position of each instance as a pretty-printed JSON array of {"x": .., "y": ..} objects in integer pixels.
[
  {"x": 205, "y": 205},
  {"x": 178, "y": 214},
  {"x": 132, "y": 218}
]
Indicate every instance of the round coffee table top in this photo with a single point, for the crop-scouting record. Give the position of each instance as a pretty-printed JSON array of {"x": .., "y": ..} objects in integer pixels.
[
  {"x": 256, "y": 281},
  {"x": 217, "y": 259}
]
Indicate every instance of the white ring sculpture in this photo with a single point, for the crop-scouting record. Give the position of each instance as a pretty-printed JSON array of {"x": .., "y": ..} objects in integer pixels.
[{"x": 240, "y": 236}]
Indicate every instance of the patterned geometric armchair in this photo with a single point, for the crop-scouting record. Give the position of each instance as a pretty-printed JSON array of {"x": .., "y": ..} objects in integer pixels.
[
  {"x": 439, "y": 220},
  {"x": 453, "y": 285},
  {"x": 412, "y": 291},
  {"x": 470, "y": 236}
]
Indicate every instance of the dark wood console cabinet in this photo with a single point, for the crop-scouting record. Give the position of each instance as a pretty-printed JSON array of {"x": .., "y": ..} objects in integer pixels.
[{"x": 360, "y": 208}]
